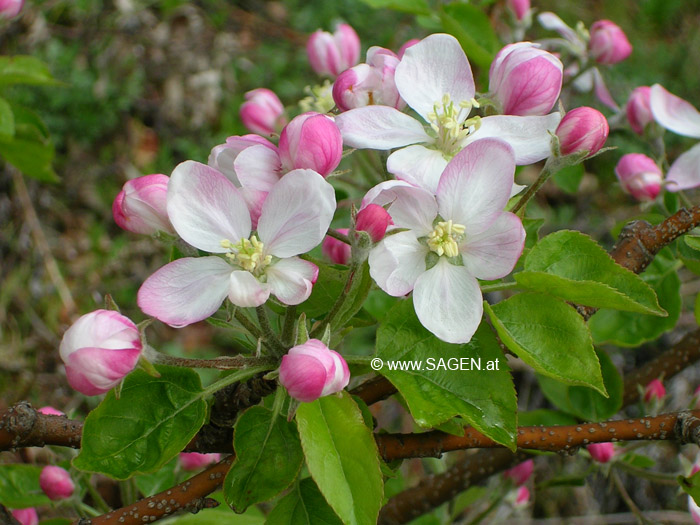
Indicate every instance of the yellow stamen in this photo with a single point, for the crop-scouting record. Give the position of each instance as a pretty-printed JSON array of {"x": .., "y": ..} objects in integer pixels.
[
  {"x": 248, "y": 254},
  {"x": 444, "y": 239}
]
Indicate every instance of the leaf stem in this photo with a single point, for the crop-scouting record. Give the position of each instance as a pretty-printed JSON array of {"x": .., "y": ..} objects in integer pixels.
[
  {"x": 269, "y": 334},
  {"x": 486, "y": 288},
  {"x": 339, "y": 236},
  {"x": 222, "y": 363},
  {"x": 290, "y": 317},
  {"x": 534, "y": 188},
  {"x": 339, "y": 303},
  {"x": 235, "y": 377}
]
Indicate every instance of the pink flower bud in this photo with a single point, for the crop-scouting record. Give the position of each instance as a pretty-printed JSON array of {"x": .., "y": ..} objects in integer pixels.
[
  {"x": 50, "y": 411},
  {"x": 520, "y": 473},
  {"x": 654, "y": 390},
  {"x": 337, "y": 251},
  {"x": 639, "y": 109},
  {"x": 522, "y": 497},
  {"x": 525, "y": 80},
  {"x": 374, "y": 220},
  {"x": 519, "y": 8},
  {"x": 311, "y": 141},
  {"x": 608, "y": 43},
  {"x": 406, "y": 45},
  {"x": 582, "y": 129},
  {"x": 196, "y": 461},
  {"x": 141, "y": 205},
  {"x": 601, "y": 452},
  {"x": 99, "y": 349},
  {"x": 10, "y": 8},
  {"x": 311, "y": 370},
  {"x": 56, "y": 483},
  {"x": 26, "y": 516},
  {"x": 262, "y": 112},
  {"x": 639, "y": 176},
  {"x": 332, "y": 54}
]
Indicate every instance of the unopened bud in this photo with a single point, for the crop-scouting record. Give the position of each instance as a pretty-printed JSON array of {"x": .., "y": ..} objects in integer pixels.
[
  {"x": 639, "y": 176},
  {"x": 582, "y": 129}
]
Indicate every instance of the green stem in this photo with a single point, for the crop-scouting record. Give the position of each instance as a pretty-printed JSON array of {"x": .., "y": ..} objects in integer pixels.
[
  {"x": 479, "y": 518},
  {"x": 544, "y": 175},
  {"x": 486, "y": 288},
  {"x": 97, "y": 497},
  {"x": 358, "y": 359},
  {"x": 340, "y": 236},
  {"x": 657, "y": 477},
  {"x": 222, "y": 363},
  {"x": 235, "y": 377},
  {"x": 337, "y": 307},
  {"x": 280, "y": 396},
  {"x": 290, "y": 317},
  {"x": 247, "y": 324},
  {"x": 269, "y": 334}
]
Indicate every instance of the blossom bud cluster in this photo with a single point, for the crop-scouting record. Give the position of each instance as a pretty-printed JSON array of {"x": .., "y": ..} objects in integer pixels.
[{"x": 311, "y": 370}]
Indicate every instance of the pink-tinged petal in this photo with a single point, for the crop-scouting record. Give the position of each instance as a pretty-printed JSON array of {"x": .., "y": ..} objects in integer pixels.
[
  {"x": 291, "y": 280},
  {"x": 50, "y": 411},
  {"x": 552, "y": 22},
  {"x": 205, "y": 207},
  {"x": 258, "y": 167},
  {"x": 432, "y": 68},
  {"x": 601, "y": 91},
  {"x": 245, "y": 290},
  {"x": 409, "y": 206},
  {"x": 396, "y": 262},
  {"x": 694, "y": 510},
  {"x": 685, "y": 171},
  {"x": 418, "y": 165},
  {"x": 528, "y": 136},
  {"x": 196, "y": 461},
  {"x": 380, "y": 127},
  {"x": 493, "y": 253},
  {"x": 94, "y": 371},
  {"x": 29, "y": 516},
  {"x": 186, "y": 290},
  {"x": 254, "y": 199},
  {"x": 476, "y": 185},
  {"x": 102, "y": 328},
  {"x": 674, "y": 113},
  {"x": 296, "y": 214},
  {"x": 341, "y": 375},
  {"x": 447, "y": 299},
  {"x": 303, "y": 376}
]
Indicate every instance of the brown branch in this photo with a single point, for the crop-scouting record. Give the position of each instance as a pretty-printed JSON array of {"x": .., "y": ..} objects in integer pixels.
[{"x": 22, "y": 426}]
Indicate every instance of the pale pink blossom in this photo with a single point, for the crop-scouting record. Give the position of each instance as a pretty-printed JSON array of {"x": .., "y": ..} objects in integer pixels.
[
  {"x": 638, "y": 109},
  {"x": 639, "y": 176},
  {"x": 608, "y": 43},
  {"x": 450, "y": 239},
  {"x": 50, "y": 411},
  {"x": 140, "y": 206},
  {"x": 374, "y": 220},
  {"x": 311, "y": 141},
  {"x": 99, "y": 349},
  {"x": 601, "y": 452},
  {"x": 435, "y": 79},
  {"x": 262, "y": 112},
  {"x": 654, "y": 391},
  {"x": 521, "y": 472},
  {"x": 337, "y": 251},
  {"x": 405, "y": 46},
  {"x": 26, "y": 516},
  {"x": 10, "y": 8},
  {"x": 312, "y": 370},
  {"x": 208, "y": 212},
  {"x": 332, "y": 54},
  {"x": 56, "y": 483},
  {"x": 196, "y": 461},
  {"x": 694, "y": 510},
  {"x": 582, "y": 129}
]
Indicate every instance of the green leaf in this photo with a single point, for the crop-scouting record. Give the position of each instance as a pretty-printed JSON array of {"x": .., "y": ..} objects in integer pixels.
[
  {"x": 637, "y": 460},
  {"x": 532, "y": 230},
  {"x": 573, "y": 266},
  {"x": 19, "y": 486},
  {"x": 473, "y": 29},
  {"x": 329, "y": 285},
  {"x": 30, "y": 157},
  {"x": 7, "y": 119},
  {"x": 150, "y": 484},
  {"x": 693, "y": 241},
  {"x": 220, "y": 515},
  {"x": 148, "y": 425},
  {"x": 436, "y": 393},
  {"x": 548, "y": 335},
  {"x": 268, "y": 458},
  {"x": 691, "y": 486},
  {"x": 304, "y": 505},
  {"x": 415, "y": 7},
  {"x": 569, "y": 178},
  {"x": 632, "y": 329},
  {"x": 24, "y": 70},
  {"x": 342, "y": 457}
]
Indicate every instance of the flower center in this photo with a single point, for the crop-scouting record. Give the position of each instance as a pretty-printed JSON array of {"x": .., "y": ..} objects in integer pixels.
[
  {"x": 248, "y": 254},
  {"x": 444, "y": 239},
  {"x": 450, "y": 123}
]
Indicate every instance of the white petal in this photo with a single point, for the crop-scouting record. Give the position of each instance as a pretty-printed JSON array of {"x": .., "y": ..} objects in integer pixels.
[
  {"x": 475, "y": 187},
  {"x": 205, "y": 207},
  {"x": 186, "y": 290},
  {"x": 685, "y": 171},
  {"x": 296, "y": 214},
  {"x": 396, "y": 262},
  {"x": 528, "y": 136},
  {"x": 602, "y": 92},
  {"x": 418, "y": 165},
  {"x": 433, "y": 67},
  {"x": 379, "y": 127},
  {"x": 245, "y": 290},
  {"x": 674, "y": 113},
  {"x": 447, "y": 300},
  {"x": 258, "y": 167},
  {"x": 492, "y": 254},
  {"x": 552, "y": 22},
  {"x": 410, "y": 206},
  {"x": 292, "y": 279}
]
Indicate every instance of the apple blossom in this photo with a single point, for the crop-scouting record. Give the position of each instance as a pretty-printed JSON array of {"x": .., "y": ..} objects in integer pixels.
[
  {"x": 679, "y": 116},
  {"x": 435, "y": 79},
  {"x": 332, "y": 54},
  {"x": 450, "y": 239},
  {"x": 608, "y": 43},
  {"x": 10, "y": 8},
  {"x": 56, "y": 483},
  {"x": 406, "y": 45},
  {"x": 196, "y": 461},
  {"x": 638, "y": 109},
  {"x": 262, "y": 112},
  {"x": 521, "y": 472},
  {"x": 140, "y": 206},
  {"x": 374, "y": 220},
  {"x": 26, "y": 516},
  {"x": 601, "y": 452},
  {"x": 519, "y": 8},
  {"x": 312, "y": 370},
  {"x": 337, "y": 251},
  {"x": 99, "y": 349},
  {"x": 654, "y": 390},
  {"x": 639, "y": 176},
  {"x": 311, "y": 141},
  {"x": 582, "y": 129},
  {"x": 208, "y": 212},
  {"x": 525, "y": 80}
]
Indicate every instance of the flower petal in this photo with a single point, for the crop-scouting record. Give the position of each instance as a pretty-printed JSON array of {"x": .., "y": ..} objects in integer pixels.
[
  {"x": 493, "y": 253},
  {"x": 432, "y": 68},
  {"x": 602, "y": 92},
  {"x": 245, "y": 290},
  {"x": 205, "y": 207},
  {"x": 476, "y": 185},
  {"x": 409, "y": 206},
  {"x": 292, "y": 279},
  {"x": 379, "y": 127},
  {"x": 447, "y": 300},
  {"x": 296, "y": 214},
  {"x": 418, "y": 165},
  {"x": 550, "y": 21},
  {"x": 674, "y": 113},
  {"x": 94, "y": 371},
  {"x": 528, "y": 136},
  {"x": 396, "y": 262},
  {"x": 186, "y": 290},
  {"x": 258, "y": 167},
  {"x": 685, "y": 171}
]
